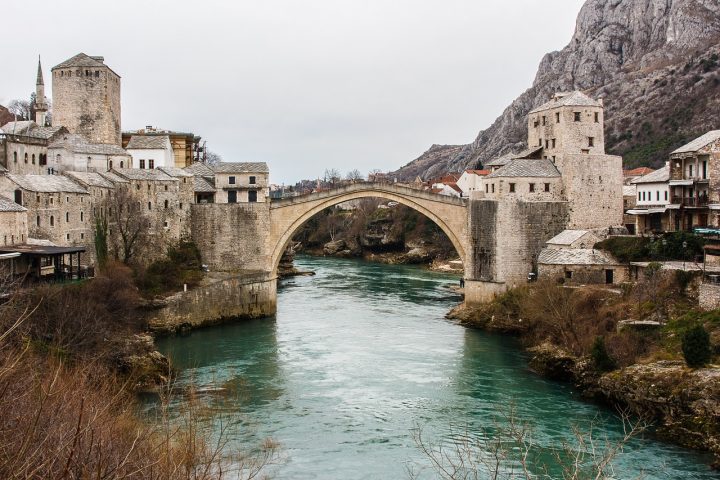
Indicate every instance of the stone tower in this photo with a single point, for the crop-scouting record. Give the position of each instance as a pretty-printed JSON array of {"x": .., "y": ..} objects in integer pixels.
[
  {"x": 41, "y": 107},
  {"x": 569, "y": 130},
  {"x": 86, "y": 99}
]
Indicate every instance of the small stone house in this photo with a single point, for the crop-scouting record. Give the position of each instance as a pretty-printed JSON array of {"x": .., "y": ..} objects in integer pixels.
[
  {"x": 13, "y": 222},
  {"x": 581, "y": 266},
  {"x": 652, "y": 211},
  {"x": 524, "y": 179},
  {"x": 24, "y": 146},
  {"x": 241, "y": 182},
  {"x": 573, "y": 239},
  {"x": 150, "y": 151}
]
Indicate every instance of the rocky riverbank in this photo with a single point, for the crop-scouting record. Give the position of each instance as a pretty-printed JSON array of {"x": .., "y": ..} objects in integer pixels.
[{"x": 651, "y": 380}]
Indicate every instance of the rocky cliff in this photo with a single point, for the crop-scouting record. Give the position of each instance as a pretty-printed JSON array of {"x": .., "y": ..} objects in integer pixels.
[{"x": 655, "y": 62}]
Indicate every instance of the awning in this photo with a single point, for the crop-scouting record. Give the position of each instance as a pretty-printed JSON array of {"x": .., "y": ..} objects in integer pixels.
[
  {"x": 637, "y": 212},
  {"x": 41, "y": 249},
  {"x": 646, "y": 211},
  {"x": 681, "y": 183}
]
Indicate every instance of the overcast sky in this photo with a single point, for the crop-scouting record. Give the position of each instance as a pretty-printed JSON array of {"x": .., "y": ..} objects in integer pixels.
[{"x": 303, "y": 85}]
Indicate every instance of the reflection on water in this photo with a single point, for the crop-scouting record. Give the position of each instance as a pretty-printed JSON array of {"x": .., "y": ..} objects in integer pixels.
[{"x": 360, "y": 354}]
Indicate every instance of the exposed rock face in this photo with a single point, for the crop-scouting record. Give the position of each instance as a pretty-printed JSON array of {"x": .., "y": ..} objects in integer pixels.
[{"x": 655, "y": 62}]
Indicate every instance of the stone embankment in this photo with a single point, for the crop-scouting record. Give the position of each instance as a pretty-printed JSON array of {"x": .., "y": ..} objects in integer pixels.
[{"x": 220, "y": 298}]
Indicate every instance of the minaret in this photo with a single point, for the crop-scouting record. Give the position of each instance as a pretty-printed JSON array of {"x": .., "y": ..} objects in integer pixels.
[{"x": 41, "y": 106}]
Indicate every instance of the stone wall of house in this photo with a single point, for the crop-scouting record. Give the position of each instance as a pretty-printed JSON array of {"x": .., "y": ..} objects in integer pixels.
[
  {"x": 24, "y": 157},
  {"x": 709, "y": 296},
  {"x": 569, "y": 136},
  {"x": 226, "y": 299},
  {"x": 13, "y": 228},
  {"x": 232, "y": 236},
  {"x": 167, "y": 203},
  {"x": 582, "y": 274},
  {"x": 521, "y": 187},
  {"x": 593, "y": 187},
  {"x": 88, "y": 103},
  {"x": 506, "y": 237}
]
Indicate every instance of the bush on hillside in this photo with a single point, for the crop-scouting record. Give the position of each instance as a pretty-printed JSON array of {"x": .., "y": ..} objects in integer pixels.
[
  {"x": 696, "y": 346},
  {"x": 600, "y": 357},
  {"x": 182, "y": 265},
  {"x": 626, "y": 249}
]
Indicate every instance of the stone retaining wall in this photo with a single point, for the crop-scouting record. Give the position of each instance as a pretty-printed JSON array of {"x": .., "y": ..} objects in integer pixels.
[{"x": 709, "y": 296}]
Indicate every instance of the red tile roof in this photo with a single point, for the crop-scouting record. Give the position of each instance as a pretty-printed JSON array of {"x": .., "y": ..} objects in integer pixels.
[
  {"x": 637, "y": 172},
  {"x": 481, "y": 173}
]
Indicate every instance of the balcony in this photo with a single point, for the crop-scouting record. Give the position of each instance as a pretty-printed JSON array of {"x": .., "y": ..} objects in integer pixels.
[{"x": 690, "y": 201}]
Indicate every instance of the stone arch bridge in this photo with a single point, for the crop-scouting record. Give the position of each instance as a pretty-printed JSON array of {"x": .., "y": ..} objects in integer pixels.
[{"x": 288, "y": 215}]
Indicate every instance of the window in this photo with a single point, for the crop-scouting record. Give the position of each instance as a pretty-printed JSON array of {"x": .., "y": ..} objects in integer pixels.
[
  {"x": 638, "y": 196},
  {"x": 97, "y": 73},
  {"x": 67, "y": 236},
  {"x": 577, "y": 116},
  {"x": 166, "y": 204},
  {"x": 151, "y": 164},
  {"x": 597, "y": 117},
  {"x": 252, "y": 196},
  {"x": 666, "y": 195},
  {"x": 547, "y": 187},
  {"x": 43, "y": 159},
  {"x": 180, "y": 205},
  {"x": 537, "y": 123},
  {"x": 539, "y": 142},
  {"x": 166, "y": 224},
  {"x": 231, "y": 180},
  {"x": 568, "y": 274},
  {"x": 67, "y": 199},
  {"x": 493, "y": 188},
  {"x": 553, "y": 143},
  {"x": 26, "y": 157},
  {"x": 532, "y": 187},
  {"x": 82, "y": 236},
  {"x": 14, "y": 157},
  {"x": 67, "y": 217},
  {"x": 512, "y": 187},
  {"x": 33, "y": 159},
  {"x": 252, "y": 180},
  {"x": 547, "y": 145},
  {"x": 142, "y": 163},
  {"x": 52, "y": 221},
  {"x": 557, "y": 117},
  {"x": 137, "y": 186},
  {"x": 122, "y": 164},
  {"x": 232, "y": 196},
  {"x": 657, "y": 195},
  {"x": 37, "y": 220},
  {"x": 690, "y": 171},
  {"x": 166, "y": 187},
  {"x": 109, "y": 163},
  {"x": 82, "y": 215},
  {"x": 591, "y": 141},
  {"x": 18, "y": 196},
  {"x": 149, "y": 205},
  {"x": 543, "y": 120},
  {"x": 487, "y": 188}
]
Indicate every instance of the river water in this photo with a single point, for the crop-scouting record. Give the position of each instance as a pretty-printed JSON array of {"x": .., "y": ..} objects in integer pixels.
[{"x": 360, "y": 356}]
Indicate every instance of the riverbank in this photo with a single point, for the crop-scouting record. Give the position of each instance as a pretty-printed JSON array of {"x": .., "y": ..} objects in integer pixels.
[{"x": 578, "y": 336}]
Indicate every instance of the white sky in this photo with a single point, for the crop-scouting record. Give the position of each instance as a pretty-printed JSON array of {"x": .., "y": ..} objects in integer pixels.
[{"x": 304, "y": 85}]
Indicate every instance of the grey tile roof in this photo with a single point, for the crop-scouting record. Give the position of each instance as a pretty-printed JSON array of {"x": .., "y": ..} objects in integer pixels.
[
  {"x": 7, "y": 205},
  {"x": 46, "y": 183},
  {"x": 199, "y": 168},
  {"x": 699, "y": 142},
  {"x": 114, "y": 178},
  {"x": 81, "y": 60},
  {"x": 575, "y": 256},
  {"x": 77, "y": 144},
  {"x": 203, "y": 185},
  {"x": 568, "y": 99},
  {"x": 658, "y": 176},
  {"x": 500, "y": 161},
  {"x": 143, "y": 174},
  {"x": 175, "y": 172},
  {"x": 21, "y": 127},
  {"x": 148, "y": 142},
  {"x": 567, "y": 237},
  {"x": 527, "y": 152},
  {"x": 520, "y": 167},
  {"x": 241, "y": 167},
  {"x": 90, "y": 179}
]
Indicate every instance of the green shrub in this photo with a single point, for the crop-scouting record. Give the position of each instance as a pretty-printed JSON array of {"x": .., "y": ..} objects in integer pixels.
[
  {"x": 626, "y": 249},
  {"x": 696, "y": 346},
  {"x": 600, "y": 357},
  {"x": 182, "y": 265}
]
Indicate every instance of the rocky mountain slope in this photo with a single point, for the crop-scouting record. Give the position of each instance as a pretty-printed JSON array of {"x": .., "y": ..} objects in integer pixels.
[{"x": 655, "y": 62}]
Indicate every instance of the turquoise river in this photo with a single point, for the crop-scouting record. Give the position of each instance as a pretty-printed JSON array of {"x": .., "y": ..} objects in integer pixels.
[{"x": 360, "y": 356}]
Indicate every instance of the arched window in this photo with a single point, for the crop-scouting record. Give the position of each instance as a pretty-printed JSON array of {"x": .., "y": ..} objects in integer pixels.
[
  {"x": 110, "y": 165},
  {"x": 122, "y": 164},
  {"x": 33, "y": 159},
  {"x": 26, "y": 157},
  {"x": 58, "y": 158}
]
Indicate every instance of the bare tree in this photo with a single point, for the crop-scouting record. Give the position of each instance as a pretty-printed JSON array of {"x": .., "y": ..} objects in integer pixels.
[
  {"x": 354, "y": 176},
  {"x": 331, "y": 176},
  {"x": 212, "y": 158},
  {"x": 128, "y": 229},
  {"x": 22, "y": 109}
]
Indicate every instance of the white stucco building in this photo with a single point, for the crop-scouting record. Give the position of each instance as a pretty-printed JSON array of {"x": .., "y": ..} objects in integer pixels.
[{"x": 150, "y": 152}]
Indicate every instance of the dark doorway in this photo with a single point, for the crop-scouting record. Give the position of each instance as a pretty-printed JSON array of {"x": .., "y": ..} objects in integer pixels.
[
  {"x": 232, "y": 196},
  {"x": 609, "y": 277},
  {"x": 252, "y": 196},
  {"x": 18, "y": 197}
]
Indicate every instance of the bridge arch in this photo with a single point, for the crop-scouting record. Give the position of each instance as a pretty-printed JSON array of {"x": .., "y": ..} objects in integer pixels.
[{"x": 289, "y": 215}]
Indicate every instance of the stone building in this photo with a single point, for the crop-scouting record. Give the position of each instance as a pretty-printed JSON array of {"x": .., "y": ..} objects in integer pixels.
[
  {"x": 71, "y": 152},
  {"x": 185, "y": 146},
  {"x": 86, "y": 99},
  {"x": 165, "y": 199},
  {"x": 13, "y": 222},
  {"x": 651, "y": 212},
  {"x": 24, "y": 146},
  {"x": 471, "y": 180},
  {"x": 574, "y": 239},
  {"x": 59, "y": 210},
  {"x": 564, "y": 180},
  {"x": 204, "y": 182},
  {"x": 241, "y": 182},
  {"x": 150, "y": 151},
  {"x": 695, "y": 183},
  {"x": 581, "y": 266}
]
